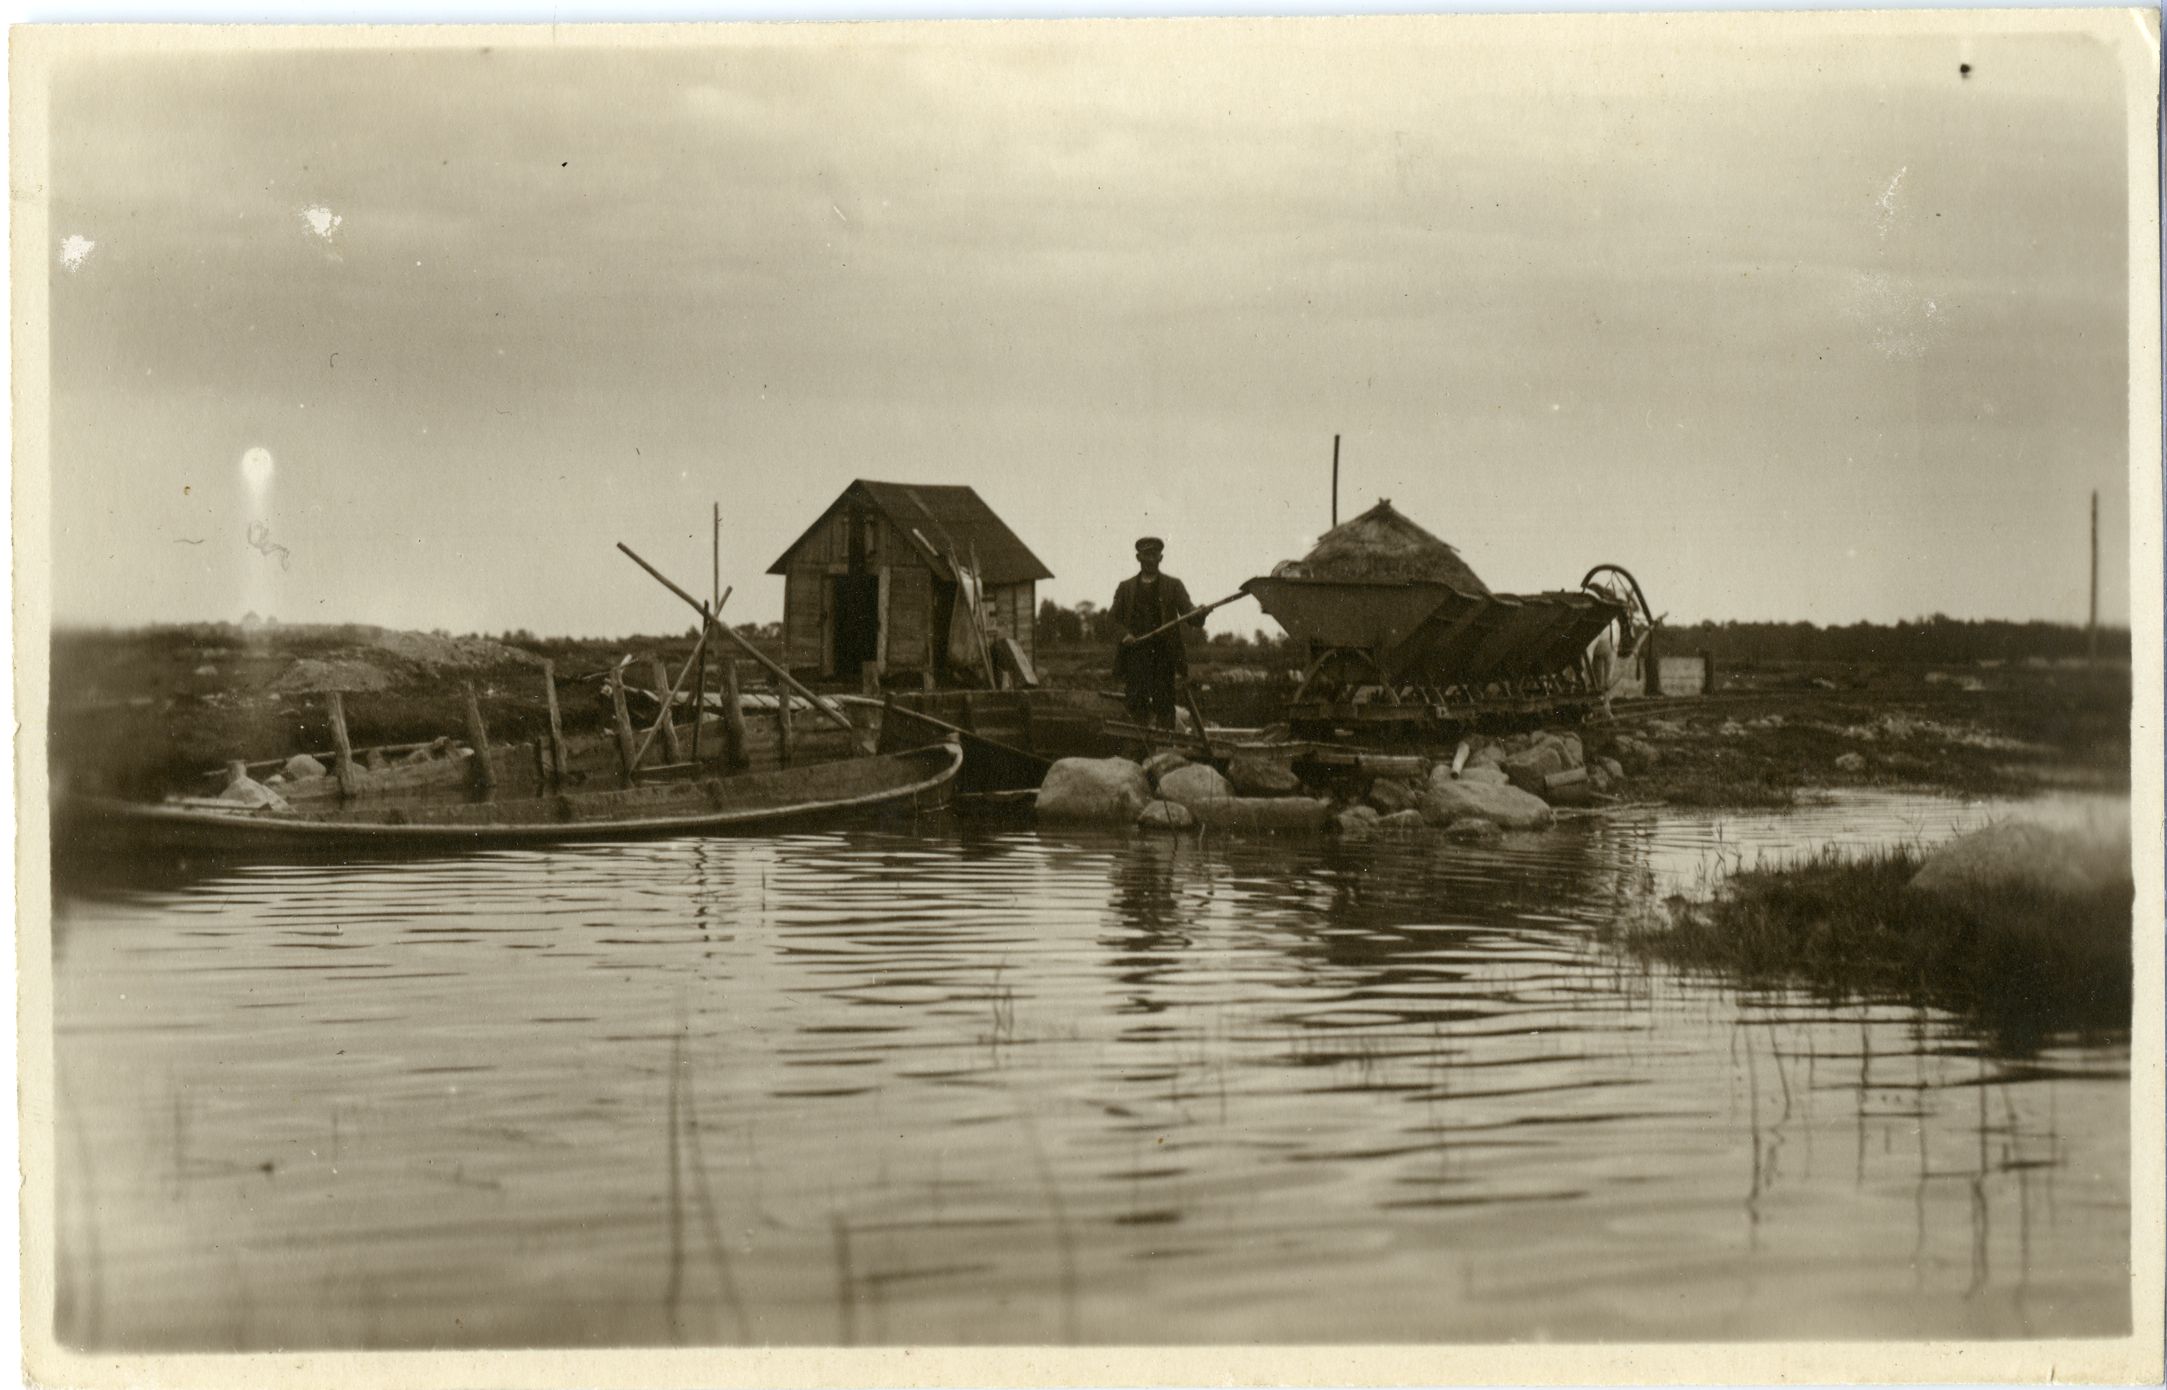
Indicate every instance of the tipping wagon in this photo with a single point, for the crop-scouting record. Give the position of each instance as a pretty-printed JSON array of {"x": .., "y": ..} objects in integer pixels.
[{"x": 1401, "y": 636}]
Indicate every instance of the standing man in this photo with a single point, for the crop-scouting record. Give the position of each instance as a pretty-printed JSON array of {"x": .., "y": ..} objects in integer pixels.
[{"x": 1149, "y": 667}]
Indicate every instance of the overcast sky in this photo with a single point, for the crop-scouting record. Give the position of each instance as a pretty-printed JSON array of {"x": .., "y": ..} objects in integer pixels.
[{"x": 1792, "y": 324}]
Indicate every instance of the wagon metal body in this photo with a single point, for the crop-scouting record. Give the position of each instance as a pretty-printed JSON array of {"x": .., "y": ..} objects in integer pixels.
[{"x": 1416, "y": 650}]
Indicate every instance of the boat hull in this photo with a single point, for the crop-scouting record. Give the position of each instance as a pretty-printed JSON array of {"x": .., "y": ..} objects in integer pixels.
[{"x": 918, "y": 780}]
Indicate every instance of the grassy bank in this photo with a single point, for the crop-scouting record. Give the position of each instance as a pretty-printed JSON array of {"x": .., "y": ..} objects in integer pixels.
[{"x": 2022, "y": 962}]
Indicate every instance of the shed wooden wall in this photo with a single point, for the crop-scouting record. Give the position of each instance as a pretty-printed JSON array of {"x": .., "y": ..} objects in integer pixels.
[{"x": 908, "y": 641}]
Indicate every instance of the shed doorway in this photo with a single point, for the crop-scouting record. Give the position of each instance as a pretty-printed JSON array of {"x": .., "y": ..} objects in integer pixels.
[{"x": 857, "y": 622}]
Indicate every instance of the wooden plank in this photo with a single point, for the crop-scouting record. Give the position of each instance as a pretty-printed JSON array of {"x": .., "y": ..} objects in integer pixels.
[
  {"x": 345, "y": 745},
  {"x": 668, "y": 689},
  {"x": 485, "y": 772}
]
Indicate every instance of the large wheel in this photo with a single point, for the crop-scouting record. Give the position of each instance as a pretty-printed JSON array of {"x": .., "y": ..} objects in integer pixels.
[{"x": 1632, "y": 633}]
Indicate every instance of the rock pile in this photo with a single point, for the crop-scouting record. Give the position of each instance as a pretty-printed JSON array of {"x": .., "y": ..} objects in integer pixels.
[{"x": 1506, "y": 784}]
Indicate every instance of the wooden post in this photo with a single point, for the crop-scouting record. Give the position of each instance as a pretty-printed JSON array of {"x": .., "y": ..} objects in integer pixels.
[
  {"x": 869, "y": 679},
  {"x": 667, "y": 691},
  {"x": 1707, "y": 672},
  {"x": 782, "y": 722},
  {"x": 485, "y": 772},
  {"x": 1335, "y": 480},
  {"x": 1651, "y": 671},
  {"x": 347, "y": 777},
  {"x": 541, "y": 768},
  {"x": 557, "y": 754},
  {"x": 699, "y": 689},
  {"x": 625, "y": 757},
  {"x": 733, "y": 715}
]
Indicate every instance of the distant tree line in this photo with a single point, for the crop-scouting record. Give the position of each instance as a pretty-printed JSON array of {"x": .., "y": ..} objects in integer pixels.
[{"x": 1939, "y": 639}]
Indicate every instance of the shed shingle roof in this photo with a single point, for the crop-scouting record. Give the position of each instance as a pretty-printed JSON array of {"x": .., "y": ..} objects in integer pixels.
[{"x": 938, "y": 517}]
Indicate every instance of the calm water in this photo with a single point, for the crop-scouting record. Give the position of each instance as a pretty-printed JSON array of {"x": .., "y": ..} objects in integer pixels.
[{"x": 955, "y": 1084}]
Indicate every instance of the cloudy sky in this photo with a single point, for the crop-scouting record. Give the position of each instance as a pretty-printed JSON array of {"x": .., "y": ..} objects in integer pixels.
[{"x": 1812, "y": 319}]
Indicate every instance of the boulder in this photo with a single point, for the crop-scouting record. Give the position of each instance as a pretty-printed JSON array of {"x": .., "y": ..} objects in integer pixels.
[
  {"x": 1110, "y": 791},
  {"x": 2027, "y": 857},
  {"x": 1195, "y": 784},
  {"x": 1851, "y": 762},
  {"x": 1356, "y": 822},
  {"x": 1528, "y": 770},
  {"x": 1161, "y": 763},
  {"x": 1489, "y": 755},
  {"x": 1258, "y": 774},
  {"x": 1166, "y": 815},
  {"x": 301, "y": 766},
  {"x": 1389, "y": 796},
  {"x": 1492, "y": 775},
  {"x": 1478, "y": 830},
  {"x": 1263, "y": 813},
  {"x": 1450, "y": 802},
  {"x": 1612, "y": 766},
  {"x": 1599, "y": 777},
  {"x": 1401, "y": 823},
  {"x": 1636, "y": 754}
]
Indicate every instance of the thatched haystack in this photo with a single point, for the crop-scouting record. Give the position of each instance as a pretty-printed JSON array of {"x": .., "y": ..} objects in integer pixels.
[{"x": 1380, "y": 544}]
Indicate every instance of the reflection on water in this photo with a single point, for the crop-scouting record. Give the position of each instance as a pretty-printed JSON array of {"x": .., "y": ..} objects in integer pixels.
[{"x": 968, "y": 1085}]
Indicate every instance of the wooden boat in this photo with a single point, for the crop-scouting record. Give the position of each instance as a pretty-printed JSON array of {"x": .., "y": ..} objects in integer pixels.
[{"x": 919, "y": 779}]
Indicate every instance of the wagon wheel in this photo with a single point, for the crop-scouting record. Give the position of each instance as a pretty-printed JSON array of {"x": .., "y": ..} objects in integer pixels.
[{"x": 1615, "y": 584}]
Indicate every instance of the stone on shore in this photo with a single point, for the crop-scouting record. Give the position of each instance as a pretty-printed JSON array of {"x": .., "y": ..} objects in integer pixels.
[
  {"x": 301, "y": 766},
  {"x": 1487, "y": 773},
  {"x": 1163, "y": 762},
  {"x": 1851, "y": 762},
  {"x": 1389, "y": 796},
  {"x": 1509, "y": 808},
  {"x": 1194, "y": 785},
  {"x": 1255, "y": 774},
  {"x": 1166, "y": 815},
  {"x": 1356, "y": 821},
  {"x": 1110, "y": 791},
  {"x": 1401, "y": 823},
  {"x": 1264, "y": 813}
]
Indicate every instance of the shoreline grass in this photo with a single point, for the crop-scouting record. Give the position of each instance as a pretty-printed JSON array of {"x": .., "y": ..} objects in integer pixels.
[{"x": 2023, "y": 963}]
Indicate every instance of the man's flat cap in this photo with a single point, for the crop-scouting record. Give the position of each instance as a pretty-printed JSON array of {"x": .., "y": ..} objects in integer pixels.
[{"x": 1145, "y": 543}]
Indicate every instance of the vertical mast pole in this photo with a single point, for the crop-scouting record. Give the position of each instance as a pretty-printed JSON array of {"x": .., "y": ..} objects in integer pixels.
[{"x": 1335, "y": 480}]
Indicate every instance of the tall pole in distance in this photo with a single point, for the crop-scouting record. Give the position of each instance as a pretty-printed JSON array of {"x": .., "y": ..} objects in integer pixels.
[
  {"x": 2091, "y": 625},
  {"x": 1335, "y": 480}
]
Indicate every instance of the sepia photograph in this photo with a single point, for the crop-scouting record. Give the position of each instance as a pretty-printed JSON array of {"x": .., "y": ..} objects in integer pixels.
[{"x": 1453, "y": 693}]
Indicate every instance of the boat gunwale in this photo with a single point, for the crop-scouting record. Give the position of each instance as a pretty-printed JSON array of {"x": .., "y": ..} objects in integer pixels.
[{"x": 255, "y": 827}]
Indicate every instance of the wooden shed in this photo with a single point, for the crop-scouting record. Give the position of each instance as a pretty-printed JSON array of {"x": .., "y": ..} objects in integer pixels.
[{"x": 874, "y": 579}]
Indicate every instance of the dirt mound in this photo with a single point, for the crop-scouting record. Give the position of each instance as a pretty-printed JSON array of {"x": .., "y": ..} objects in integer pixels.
[
  {"x": 313, "y": 676},
  {"x": 1380, "y": 544},
  {"x": 460, "y": 653}
]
